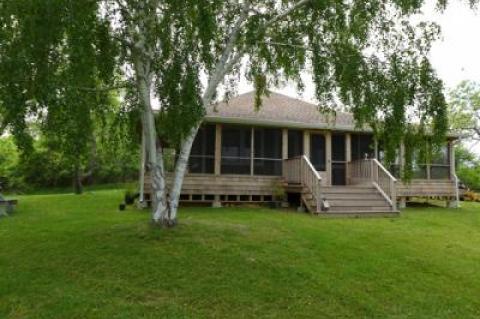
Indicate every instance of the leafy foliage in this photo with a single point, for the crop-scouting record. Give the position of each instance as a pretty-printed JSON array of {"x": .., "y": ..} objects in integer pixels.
[
  {"x": 47, "y": 167},
  {"x": 464, "y": 109},
  {"x": 468, "y": 167}
]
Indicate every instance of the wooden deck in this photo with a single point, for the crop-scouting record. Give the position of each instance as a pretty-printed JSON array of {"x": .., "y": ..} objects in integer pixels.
[
  {"x": 225, "y": 188},
  {"x": 372, "y": 191}
]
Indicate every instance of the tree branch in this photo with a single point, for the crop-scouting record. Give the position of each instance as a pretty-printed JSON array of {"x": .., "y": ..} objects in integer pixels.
[
  {"x": 226, "y": 63},
  {"x": 220, "y": 67},
  {"x": 285, "y": 13}
]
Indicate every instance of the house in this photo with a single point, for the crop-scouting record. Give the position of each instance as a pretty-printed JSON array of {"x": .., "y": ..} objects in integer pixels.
[{"x": 330, "y": 167}]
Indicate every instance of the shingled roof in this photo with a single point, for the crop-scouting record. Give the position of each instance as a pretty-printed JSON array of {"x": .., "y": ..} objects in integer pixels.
[{"x": 277, "y": 110}]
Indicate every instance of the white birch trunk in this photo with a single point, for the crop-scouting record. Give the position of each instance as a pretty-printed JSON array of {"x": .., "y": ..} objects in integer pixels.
[
  {"x": 180, "y": 169},
  {"x": 155, "y": 156},
  {"x": 141, "y": 177},
  {"x": 157, "y": 174}
]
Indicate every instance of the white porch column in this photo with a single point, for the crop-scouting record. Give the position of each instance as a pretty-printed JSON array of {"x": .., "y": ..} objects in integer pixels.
[
  {"x": 451, "y": 158},
  {"x": 306, "y": 143},
  {"x": 218, "y": 159},
  {"x": 285, "y": 143},
  {"x": 218, "y": 148},
  {"x": 328, "y": 156},
  {"x": 348, "y": 155}
]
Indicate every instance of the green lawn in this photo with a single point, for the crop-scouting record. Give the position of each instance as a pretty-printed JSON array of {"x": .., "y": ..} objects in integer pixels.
[{"x": 66, "y": 256}]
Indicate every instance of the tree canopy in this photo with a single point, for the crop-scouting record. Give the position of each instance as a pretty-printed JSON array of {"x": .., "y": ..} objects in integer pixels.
[{"x": 464, "y": 109}]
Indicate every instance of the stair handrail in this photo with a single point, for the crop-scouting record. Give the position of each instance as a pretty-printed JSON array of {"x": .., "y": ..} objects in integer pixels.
[
  {"x": 299, "y": 170},
  {"x": 389, "y": 189},
  {"x": 312, "y": 180}
]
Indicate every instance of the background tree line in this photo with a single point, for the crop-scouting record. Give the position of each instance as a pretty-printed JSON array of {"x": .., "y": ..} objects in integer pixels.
[{"x": 111, "y": 155}]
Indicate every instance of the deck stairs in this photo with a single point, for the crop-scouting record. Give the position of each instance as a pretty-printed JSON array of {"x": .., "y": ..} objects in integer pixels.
[
  {"x": 348, "y": 201},
  {"x": 372, "y": 195}
]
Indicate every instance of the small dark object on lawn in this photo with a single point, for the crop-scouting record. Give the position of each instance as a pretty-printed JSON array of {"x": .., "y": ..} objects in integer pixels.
[
  {"x": 122, "y": 206},
  {"x": 130, "y": 197}
]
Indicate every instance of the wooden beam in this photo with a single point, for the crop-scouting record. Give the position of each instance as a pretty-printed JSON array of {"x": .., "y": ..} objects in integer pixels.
[
  {"x": 328, "y": 156},
  {"x": 348, "y": 145},
  {"x": 451, "y": 158},
  {"x": 348, "y": 156},
  {"x": 284, "y": 143},
  {"x": 252, "y": 150},
  {"x": 306, "y": 143},
  {"x": 218, "y": 149}
]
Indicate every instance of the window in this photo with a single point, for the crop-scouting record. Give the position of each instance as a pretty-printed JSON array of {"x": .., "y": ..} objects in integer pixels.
[
  {"x": 362, "y": 144},
  {"x": 268, "y": 151},
  {"x": 440, "y": 167},
  {"x": 317, "y": 151},
  {"x": 236, "y": 150},
  {"x": 202, "y": 156},
  {"x": 295, "y": 143}
]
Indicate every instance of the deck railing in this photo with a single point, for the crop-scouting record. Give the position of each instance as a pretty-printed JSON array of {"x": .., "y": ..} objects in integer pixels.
[
  {"x": 292, "y": 170},
  {"x": 372, "y": 171},
  {"x": 299, "y": 170}
]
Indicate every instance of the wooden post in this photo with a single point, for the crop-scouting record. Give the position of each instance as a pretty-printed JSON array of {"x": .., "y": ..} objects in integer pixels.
[
  {"x": 218, "y": 149},
  {"x": 252, "y": 150},
  {"x": 451, "y": 158},
  {"x": 328, "y": 156},
  {"x": 284, "y": 143},
  {"x": 306, "y": 143},
  {"x": 393, "y": 194},
  {"x": 348, "y": 156}
]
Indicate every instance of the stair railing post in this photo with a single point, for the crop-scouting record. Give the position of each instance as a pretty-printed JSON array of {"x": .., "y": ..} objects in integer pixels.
[
  {"x": 393, "y": 191},
  {"x": 371, "y": 171}
]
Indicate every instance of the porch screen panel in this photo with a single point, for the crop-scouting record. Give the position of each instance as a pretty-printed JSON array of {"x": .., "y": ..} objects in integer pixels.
[
  {"x": 362, "y": 144},
  {"x": 317, "y": 151},
  {"x": 202, "y": 156},
  {"x": 268, "y": 151},
  {"x": 295, "y": 143},
  {"x": 236, "y": 150},
  {"x": 419, "y": 167},
  {"x": 440, "y": 166},
  {"x": 338, "y": 147}
]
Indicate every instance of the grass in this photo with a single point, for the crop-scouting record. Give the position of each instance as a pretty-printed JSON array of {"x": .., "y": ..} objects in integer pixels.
[{"x": 67, "y": 256}]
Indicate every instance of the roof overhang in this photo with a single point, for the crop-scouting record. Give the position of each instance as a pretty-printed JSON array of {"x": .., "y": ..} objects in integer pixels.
[
  {"x": 298, "y": 125},
  {"x": 285, "y": 124}
]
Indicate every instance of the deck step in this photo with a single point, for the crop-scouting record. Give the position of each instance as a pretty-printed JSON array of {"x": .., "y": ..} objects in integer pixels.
[
  {"x": 355, "y": 203},
  {"x": 359, "y": 214},
  {"x": 348, "y": 209},
  {"x": 349, "y": 201}
]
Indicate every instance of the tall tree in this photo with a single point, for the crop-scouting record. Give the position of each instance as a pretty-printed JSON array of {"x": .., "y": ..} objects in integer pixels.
[
  {"x": 366, "y": 54},
  {"x": 50, "y": 54},
  {"x": 464, "y": 109}
]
